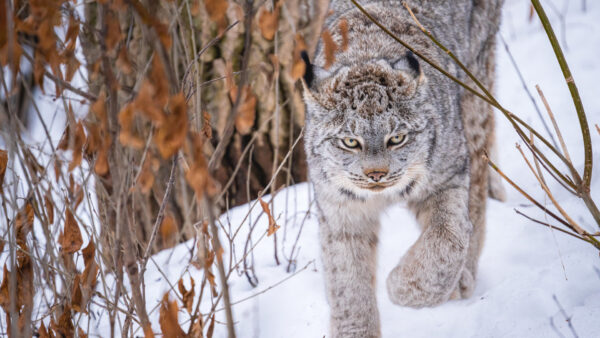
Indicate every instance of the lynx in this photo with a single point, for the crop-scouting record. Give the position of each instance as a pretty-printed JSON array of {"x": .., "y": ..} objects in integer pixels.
[{"x": 383, "y": 126}]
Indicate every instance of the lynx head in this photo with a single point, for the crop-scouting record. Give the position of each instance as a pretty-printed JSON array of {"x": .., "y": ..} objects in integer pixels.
[{"x": 368, "y": 126}]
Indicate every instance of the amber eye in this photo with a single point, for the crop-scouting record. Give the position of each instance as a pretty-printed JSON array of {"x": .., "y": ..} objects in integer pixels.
[
  {"x": 396, "y": 140},
  {"x": 350, "y": 142}
]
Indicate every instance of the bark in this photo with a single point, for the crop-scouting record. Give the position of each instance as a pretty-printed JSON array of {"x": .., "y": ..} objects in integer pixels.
[{"x": 250, "y": 157}]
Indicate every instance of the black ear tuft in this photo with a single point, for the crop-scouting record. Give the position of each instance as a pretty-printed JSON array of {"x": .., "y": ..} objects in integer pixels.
[
  {"x": 308, "y": 70},
  {"x": 413, "y": 62}
]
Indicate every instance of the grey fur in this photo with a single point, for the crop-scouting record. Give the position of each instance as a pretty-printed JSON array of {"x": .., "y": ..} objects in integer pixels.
[{"x": 372, "y": 92}]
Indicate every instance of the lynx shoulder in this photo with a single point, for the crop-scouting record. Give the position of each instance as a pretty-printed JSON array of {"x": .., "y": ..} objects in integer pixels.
[{"x": 383, "y": 126}]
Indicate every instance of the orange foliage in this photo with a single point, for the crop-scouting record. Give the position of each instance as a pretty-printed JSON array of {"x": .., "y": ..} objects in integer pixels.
[
  {"x": 272, "y": 225},
  {"x": 168, "y": 319},
  {"x": 70, "y": 240},
  {"x": 267, "y": 21}
]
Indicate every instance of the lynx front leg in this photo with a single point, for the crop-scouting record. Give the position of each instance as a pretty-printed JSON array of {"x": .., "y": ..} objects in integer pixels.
[
  {"x": 429, "y": 272},
  {"x": 348, "y": 251}
]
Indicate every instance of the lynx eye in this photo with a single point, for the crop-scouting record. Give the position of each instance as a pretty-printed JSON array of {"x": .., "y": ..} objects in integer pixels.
[
  {"x": 351, "y": 143},
  {"x": 396, "y": 140}
]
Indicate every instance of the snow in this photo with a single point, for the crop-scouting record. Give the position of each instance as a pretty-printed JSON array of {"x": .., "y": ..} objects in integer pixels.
[{"x": 527, "y": 272}]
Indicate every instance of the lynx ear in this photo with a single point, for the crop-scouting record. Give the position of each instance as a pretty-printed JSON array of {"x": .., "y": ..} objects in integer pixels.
[
  {"x": 308, "y": 69},
  {"x": 410, "y": 65},
  {"x": 313, "y": 74}
]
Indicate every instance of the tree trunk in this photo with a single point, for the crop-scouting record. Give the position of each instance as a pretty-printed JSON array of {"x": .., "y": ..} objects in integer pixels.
[{"x": 170, "y": 47}]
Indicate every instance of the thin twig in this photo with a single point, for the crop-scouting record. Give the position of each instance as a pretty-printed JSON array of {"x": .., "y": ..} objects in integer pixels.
[
  {"x": 550, "y": 226},
  {"x": 217, "y": 247},
  {"x": 270, "y": 287},
  {"x": 592, "y": 240},
  {"x": 554, "y": 124},
  {"x": 537, "y": 109},
  {"x": 539, "y": 178}
]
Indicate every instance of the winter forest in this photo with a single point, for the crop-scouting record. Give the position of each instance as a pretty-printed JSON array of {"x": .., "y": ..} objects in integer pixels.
[{"x": 154, "y": 181}]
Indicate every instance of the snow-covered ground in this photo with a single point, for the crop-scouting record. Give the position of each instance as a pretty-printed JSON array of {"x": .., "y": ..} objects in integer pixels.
[{"x": 528, "y": 272}]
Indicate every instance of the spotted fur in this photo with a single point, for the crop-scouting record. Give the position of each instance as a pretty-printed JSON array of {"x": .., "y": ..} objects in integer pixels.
[{"x": 375, "y": 90}]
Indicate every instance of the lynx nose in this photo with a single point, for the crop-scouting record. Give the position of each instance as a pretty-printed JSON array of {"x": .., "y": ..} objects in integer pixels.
[{"x": 376, "y": 174}]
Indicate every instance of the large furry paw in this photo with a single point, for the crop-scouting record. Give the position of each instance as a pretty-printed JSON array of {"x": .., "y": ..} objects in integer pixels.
[{"x": 415, "y": 283}]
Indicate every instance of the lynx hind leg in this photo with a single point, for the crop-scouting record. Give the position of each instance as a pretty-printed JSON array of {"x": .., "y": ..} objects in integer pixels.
[
  {"x": 478, "y": 121},
  {"x": 429, "y": 272}
]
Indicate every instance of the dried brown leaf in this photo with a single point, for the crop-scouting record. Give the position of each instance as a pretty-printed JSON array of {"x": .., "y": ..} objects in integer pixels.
[
  {"x": 49, "y": 208},
  {"x": 123, "y": 61},
  {"x": 88, "y": 281},
  {"x": 187, "y": 295},
  {"x": 101, "y": 165},
  {"x": 127, "y": 136},
  {"x": 43, "y": 332},
  {"x": 39, "y": 70},
  {"x": 24, "y": 225},
  {"x": 197, "y": 175},
  {"x": 211, "y": 327},
  {"x": 77, "y": 148},
  {"x": 57, "y": 168},
  {"x": 72, "y": 33},
  {"x": 63, "y": 144},
  {"x": 267, "y": 21},
  {"x": 98, "y": 109},
  {"x": 4, "y": 290},
  {"x": 113, "y": 31},
  {"x": 3, "y": 165},
  {"x": 246, "y": 114},
  {"x": 94, "y": 141},
  {"x": 146, "y": 178},
  {"x": 162, "y": 31},
  {"x": 76, "y": 297},
  {"x": 217, "y": 10},
  {"x": 148, "y": 333},
  {"x": 65, "y": 324},
  {"x": 70, "y": 240},
  {"x": 298, "y": 67},
  {"x": 149, "y": 102},
  {"x": 89, "y": 252},
  {"x": 72, "y": 65},
  {"x": 169, "y": 323},
  {"x": 272, "y": 225},
  {"x": 169, "y": 136},
  {"x": 168, "y": 231}
]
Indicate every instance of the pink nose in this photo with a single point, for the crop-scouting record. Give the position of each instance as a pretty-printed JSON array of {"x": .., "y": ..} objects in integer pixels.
[{"x": 376, "y": 174}]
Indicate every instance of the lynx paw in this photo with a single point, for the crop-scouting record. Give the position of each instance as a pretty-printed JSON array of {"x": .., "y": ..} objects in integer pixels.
[{"x": 417, "y": 287}]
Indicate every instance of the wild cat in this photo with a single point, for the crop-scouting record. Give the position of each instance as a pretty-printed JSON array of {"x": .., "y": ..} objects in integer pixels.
[{"x": 383, "y": 126}]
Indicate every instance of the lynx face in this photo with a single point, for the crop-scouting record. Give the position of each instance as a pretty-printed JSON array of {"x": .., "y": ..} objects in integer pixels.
[{"x": 373, "y": 127}]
